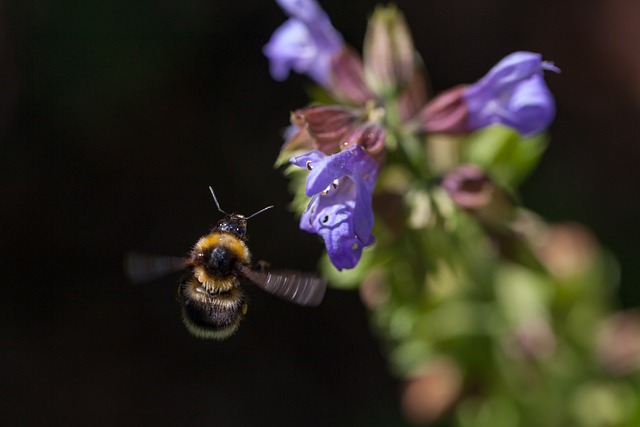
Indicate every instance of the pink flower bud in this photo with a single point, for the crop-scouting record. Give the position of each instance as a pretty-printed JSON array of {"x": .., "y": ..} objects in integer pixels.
[
  {"x": 445, "y": 113},
  {"x": 347, "y": 78}
]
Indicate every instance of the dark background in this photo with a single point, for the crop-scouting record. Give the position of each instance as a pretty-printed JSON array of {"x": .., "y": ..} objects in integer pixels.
[{"x": 115, "y": 116}]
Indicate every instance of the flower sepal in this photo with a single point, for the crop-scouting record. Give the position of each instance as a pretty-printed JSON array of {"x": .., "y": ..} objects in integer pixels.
[
  {"x": 347, "y": 78},
  {"x": 327, "y": 125},
  {"x": 446, "y": 113}
]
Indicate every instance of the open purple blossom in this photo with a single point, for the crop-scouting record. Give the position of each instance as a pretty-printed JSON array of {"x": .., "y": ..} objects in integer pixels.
[
  {"x": 340, "y": 211},
  {"x": 305, "y": 43},
  {"x": 513, "y": 93}
]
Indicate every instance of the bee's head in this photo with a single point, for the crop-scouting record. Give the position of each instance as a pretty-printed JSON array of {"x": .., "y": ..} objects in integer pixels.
[{"x": 235, "y": 224}]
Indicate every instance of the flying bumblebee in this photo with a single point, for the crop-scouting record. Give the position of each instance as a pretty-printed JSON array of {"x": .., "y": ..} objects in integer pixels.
[{"x": 211, "y": 297}]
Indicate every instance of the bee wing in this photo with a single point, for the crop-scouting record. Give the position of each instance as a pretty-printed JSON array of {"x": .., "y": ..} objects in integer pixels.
[
  {"x": 142, "y": 268},
  {"x": 294, "y": 286}
]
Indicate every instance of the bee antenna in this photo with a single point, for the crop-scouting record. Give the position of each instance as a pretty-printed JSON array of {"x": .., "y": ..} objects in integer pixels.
[
  {"x": 259, "y": 212},
  {"x": 215, "y": 199}
]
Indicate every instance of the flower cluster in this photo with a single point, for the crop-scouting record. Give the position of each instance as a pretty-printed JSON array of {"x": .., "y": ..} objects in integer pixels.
[
  {"x": 483, "y": 307},
  {"x": 384, "y": 89}
]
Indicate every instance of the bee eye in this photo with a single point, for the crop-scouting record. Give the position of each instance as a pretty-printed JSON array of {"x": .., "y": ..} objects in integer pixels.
[
  {"x": 233, "y": 228},
  {"x": 200, "y": 257}
]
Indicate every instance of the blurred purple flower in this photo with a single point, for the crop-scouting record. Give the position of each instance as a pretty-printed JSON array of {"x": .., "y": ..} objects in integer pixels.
[
  {"x": 340, "y": 211},
  {"x": 513, "y": 93},
  {"x": 305, "y": 43}
]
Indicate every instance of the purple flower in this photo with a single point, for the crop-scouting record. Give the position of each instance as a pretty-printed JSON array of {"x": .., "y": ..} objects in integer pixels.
[
  {"x": 513, "y": 93},
  {"x": 340, "y": 211},
  {"x": 305, "y": 43}
]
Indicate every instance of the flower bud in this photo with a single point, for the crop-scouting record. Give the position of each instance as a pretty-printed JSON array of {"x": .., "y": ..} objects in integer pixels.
[
  {"x": 618, "y": 344},
  {"x": 429, "y": 394},
  {"x": 445, "y": 113},
  {"x": 347, "y": 78},
  {"x": 534, "y": 340},
  {"x": 414, "y": 95},
  {"x": 374, "y": 290},
  {"x": 568, "y": 250},
  {"x": 389, "y": 57},
  {"x": 473, "y": 190},
  {"x": 369, "y": 135}
]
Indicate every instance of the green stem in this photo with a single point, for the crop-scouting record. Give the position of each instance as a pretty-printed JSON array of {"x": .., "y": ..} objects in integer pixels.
[{"x": 408, "y": 146}]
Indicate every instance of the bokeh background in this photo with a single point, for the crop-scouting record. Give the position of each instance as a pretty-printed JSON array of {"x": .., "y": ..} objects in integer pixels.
[{"x": 115, "y": 117}]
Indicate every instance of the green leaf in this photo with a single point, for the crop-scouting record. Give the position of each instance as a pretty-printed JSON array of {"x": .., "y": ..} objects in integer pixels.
[{"x": 507, "y": 156}]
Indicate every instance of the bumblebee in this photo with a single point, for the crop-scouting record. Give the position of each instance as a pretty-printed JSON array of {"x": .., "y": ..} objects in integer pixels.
[{"x": 211, "y": 297}]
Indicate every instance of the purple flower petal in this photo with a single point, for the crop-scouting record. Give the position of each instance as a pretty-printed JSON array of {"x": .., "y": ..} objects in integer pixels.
[
  {"x": 305, "y": 160},
  {"x": 340, "y": 211},
  {"x": 337, "y": 217},
  {"x": 514, "y": 94},
  {"x": 354, "y": 163},
  {"x": 512, "y": 69},
  {"x": 532, "y": 106},
  {"x": 306, "y": 11},
  {"x": 304, "y": 43}
]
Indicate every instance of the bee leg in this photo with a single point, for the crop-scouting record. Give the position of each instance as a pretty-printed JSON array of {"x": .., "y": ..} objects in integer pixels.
[{"x": 263, "y": 265}]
